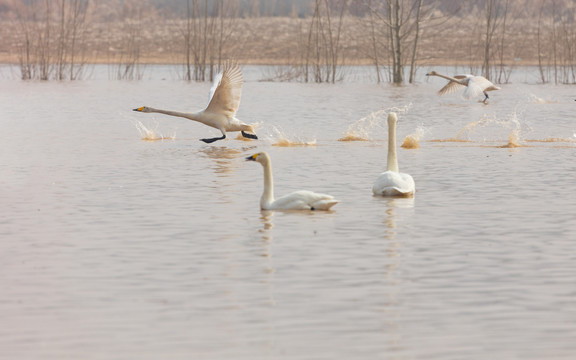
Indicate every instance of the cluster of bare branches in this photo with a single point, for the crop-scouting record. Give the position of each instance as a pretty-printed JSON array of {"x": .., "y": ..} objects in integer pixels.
[
  {"x": 52, "y": 34},
  {"x": 55, "y": 39},
  {"x": 492, "y": 52},
  {"x": 557, "y": 44},
  {"x": 396, "y": 29},
  {"x": 322, "y": 53},
  {"x": 206, "y": 33}
]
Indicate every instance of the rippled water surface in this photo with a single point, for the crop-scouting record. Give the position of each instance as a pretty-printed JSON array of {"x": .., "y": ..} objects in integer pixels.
[{"x": 124, "y": 237}]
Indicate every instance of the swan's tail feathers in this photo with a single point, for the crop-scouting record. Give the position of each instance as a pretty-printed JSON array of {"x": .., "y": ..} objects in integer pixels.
[
  {"x": 249, "y": 136},
  {"x": 324, "y": 204}
]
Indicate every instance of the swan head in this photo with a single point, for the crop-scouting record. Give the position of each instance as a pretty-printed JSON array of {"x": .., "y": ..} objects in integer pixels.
[
  {"x": 145, "y": 109},
  {"x": 261, "y": 157},
  {"x": 432, "y": 73},
  {"x": 392, "y": 119}
]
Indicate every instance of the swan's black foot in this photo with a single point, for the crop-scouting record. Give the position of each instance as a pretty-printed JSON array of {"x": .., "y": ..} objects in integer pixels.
[
  {"x": 208, "y": 141},
  {"x": 249, "y": 136}
]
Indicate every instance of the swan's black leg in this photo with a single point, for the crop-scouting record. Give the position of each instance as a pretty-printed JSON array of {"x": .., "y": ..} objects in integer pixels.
[
  {"x": 208, "y": 141},
  {"x": 249, "y": 136},
  {"x": 486, "y": 98}
]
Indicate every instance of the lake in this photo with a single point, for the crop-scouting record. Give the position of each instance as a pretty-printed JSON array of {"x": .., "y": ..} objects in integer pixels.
[{"x": 125, "y": 237}]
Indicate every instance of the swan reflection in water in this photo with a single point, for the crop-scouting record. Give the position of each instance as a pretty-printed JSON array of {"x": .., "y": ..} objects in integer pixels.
[
  {"x": 393, "y": 205},
  {"x": 224, "y": 158}
]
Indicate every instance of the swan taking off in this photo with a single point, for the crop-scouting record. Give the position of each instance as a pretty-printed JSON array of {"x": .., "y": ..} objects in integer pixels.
[
  {"x": 475, "y": 85},
  {"x": 224, "y": 102},
  {"x": 298, "y": 200},
  {"x": 392, "y": 182}
]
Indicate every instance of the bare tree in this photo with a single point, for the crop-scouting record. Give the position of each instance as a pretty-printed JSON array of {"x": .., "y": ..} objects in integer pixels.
[
  {"x": 208, "y": 29},
  {"x": 50, "y": 48},
  {"x": 322, "y": 57},
  {"x": 418, "y": 4},
  {"x": 401, "y": 24}
]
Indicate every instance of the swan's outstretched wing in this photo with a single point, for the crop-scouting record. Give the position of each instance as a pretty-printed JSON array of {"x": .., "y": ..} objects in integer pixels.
[
  {"x": 453, "y": 86},
  {"x": 215, "y": 84},
  {"x": 476, "y": 86},
  {"x": 225, "y": 98}
]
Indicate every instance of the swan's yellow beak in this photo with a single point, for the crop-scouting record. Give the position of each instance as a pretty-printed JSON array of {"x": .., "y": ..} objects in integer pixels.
[
  {"x": 252, "y": 158},
  {"x": 139, "y": 109}
]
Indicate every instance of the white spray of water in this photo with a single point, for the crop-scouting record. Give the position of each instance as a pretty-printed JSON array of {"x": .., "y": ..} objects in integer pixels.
[
  {"x": 151, "y": 134},
  {"x": 511, "y": 122},
  {"x": 412, "y": 141},
  {"x": 538, "y": 100},
  {"x": 362, "y": 129},
  {"x": 283, "y": 138}
]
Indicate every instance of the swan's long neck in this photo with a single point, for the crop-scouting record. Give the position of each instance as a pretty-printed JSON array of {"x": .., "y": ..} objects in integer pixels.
[
  {"x": 268, "y": 193},
  {"x": 191, "y": 116},
  {"x": 449, "y": 78},
  {"x": 392, "y": 159}
]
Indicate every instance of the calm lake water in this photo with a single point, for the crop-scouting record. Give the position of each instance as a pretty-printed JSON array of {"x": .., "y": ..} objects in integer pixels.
[{"x": 118, "y": 247}]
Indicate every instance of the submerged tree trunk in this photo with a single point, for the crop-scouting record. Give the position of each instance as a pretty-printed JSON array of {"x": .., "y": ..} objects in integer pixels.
[{"x": 415, "y": 46}]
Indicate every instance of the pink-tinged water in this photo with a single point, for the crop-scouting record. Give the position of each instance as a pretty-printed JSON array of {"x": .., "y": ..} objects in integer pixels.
[{"x": 113, "y": 247}]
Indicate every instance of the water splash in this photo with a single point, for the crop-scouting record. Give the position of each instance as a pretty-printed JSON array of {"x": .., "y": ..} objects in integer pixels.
[
  {"x": 450, "y": 140},
  {"x": 281, "y": 138},
  {"x": 511, "y": 122},
  {"x": 538, "y": 100},
  {"x": 151, "y": 134},
  {"x": 513, "y": 139},
  {"x": 552, "y": 140},
  {"x": 412, "y": 141},
  {"x": 362, "y": 129}
]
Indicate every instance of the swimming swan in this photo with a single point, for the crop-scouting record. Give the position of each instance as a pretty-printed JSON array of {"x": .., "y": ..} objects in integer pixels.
[
  {"x": 475, "y": 85},
  {"x": 221, "y": 110},
  {"x": 392, "y": 182},
  {"x": 298, "y": 200}
]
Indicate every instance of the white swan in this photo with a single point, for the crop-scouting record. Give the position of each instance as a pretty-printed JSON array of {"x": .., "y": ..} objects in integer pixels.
[
  {"x": 298, "y": 200},
  {"x": 475, "y": 85},
  {"x": 221, "y": 110},
  {"x": 392, "y": 182}
]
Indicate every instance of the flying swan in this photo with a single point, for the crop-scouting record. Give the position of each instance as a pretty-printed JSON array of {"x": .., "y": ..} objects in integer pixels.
[
  {"x": 224, "y": 102},
  {"x": 298, "y": 200},
  {"x": 392, "y": 182},
  {"x": 475, "y": 85}
]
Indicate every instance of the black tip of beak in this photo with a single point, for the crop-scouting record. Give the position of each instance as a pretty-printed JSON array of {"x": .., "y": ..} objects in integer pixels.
[
  {"x": 251, "y": 158},
  {"x": 135, "y": 110}
]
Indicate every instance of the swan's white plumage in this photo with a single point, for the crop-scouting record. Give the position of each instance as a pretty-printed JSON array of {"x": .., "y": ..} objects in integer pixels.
[
  {"x": 392, "y": 182},
  {"x": 474, "y": 85},
  {"x": 297, "y": 200},
  {"x": 302, "y": 200},
  {"x": 224, "y": 101},
  {"x": 225, "y": 98},
  {"x": 215, "y": 84}
]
